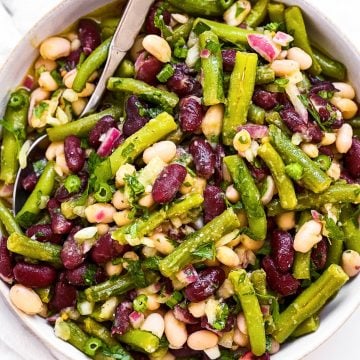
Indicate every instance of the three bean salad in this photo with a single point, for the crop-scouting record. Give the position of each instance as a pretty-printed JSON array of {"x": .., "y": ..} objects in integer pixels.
[{"x": 208, "y": 209}]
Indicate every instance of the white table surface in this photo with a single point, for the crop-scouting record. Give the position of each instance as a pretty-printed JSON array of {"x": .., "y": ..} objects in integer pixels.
[{"x": 16, "y": 341}]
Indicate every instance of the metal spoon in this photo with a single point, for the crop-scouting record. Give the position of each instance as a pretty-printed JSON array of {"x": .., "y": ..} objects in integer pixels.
[{"x": 130, "y": 24}]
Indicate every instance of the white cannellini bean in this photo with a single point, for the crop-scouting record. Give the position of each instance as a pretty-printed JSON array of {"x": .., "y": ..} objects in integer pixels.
[
  {"x": 307, "y": 236},
  {"x": 78, "y": 106},
  {"x": 285, "y": 67},
  {"x": 75, "y": 44},
  {"x": 301, "y": 57},
  {"x": 197, "y": 309},
  {"x": 147, "y": 201},
  {"x": 120, "y": 201},
  {"x": 345, "y": 90},
  {"x": 334, "y": 171},
  {"x": 61, "y": 167},
  {"x": 69, "y": 78},
  {"x": 347, "y": 107},
  {"x": 286, "y": 220},
  {"x": 175, "y": 331},
  {"x": 112, "y": 270},
  {"x": 328, "y": 138},
  {"x": 123, "y": 170},
  {"x": 162, "y": 243},
  {"x": 100, "y": 213},
  {"x": 26, "y": 299},
  {"x": 226, "y": 290},
  {"x": 155, "y": 324},
  {"x": 310, "y": 150},
  {"x": 344, "y": 138},
  {"x": 232, "y": 194},
  {"x": 46, "y": 64},
  {"x": 241, "y": 323},
  {"x": 202, "y": 339},
  {"x": 232, "y": 16},
  {"x": 55, "y": 149},
  {"x": 158, "y": 47},
  {"x": 227, "y": 256},
  {"x": 240, "y": 338},
  {"x": 54, "y": 48},
  {"x": 250, "y": 244},
  {"x": 165, "y": 150},
  {"x": 180, "y": 18},
  {"x": 212, "y": 122},
  {"x": 351, "y": 262},
  {"x": 122, "y": 218}
]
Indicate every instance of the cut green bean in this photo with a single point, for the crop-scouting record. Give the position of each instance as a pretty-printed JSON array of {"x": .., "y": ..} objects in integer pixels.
[
  {"x": 308, "y": 326},
  {"x": 264, "y": 75},
  {"x": 211, "y": 232},
  {"x": 181, "y": 32},
  {"x": 13, "y": 134},
  {"x": 283, "y": 183},
  {"x": 141, "y": 340},
  {"x": 335, "y": 251},
  {"x": 258, "y": 279},
  {"x": 350, "y": 227},
  {"x": 82, "y": 126},
  {"x": 301, "y": 266},
  {"x": 257, "y": 14},
  {"x": 276, "y": 13},
  {"x": 245, "y": 184},
  {"x": 108, "y": 27},
  {"x": 165, "y": 99},
  {"x": 338, "y": 193},
  {"x": 126, "y": 69},
  {"x": 296, "y": 27},
  {"x": 43, "y": 189},
  {"x": 95, "y": 329},
  {"x": 91, "y": 64},
  {"x": 241, "y": 88},
  {"x": 313, "y": 178},
  {"x": 135, "y": 144},
  {"x": 8, "y": 220},
  {"x": 329, "y": 66},
  {"x": 212, "y": 8},
  {"x": 244, "y": 291},
  {"x": 212, "y": 69},
  {"x": 309, "y": 302},
  {"x": 133, "y": 233},
  {"x": 256, "y": 114},
  {"x": 23, "y": 245}
]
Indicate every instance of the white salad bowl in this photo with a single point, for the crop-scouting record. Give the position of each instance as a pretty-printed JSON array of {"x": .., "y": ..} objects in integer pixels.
[{"x": 322, "y": 32}]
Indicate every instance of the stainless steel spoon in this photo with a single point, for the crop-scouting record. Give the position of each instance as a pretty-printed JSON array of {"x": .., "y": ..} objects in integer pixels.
[{"x": 130, "y": 24}]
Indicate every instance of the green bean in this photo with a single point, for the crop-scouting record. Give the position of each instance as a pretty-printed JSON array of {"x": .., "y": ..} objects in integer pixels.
[
  {"x": 126, "y": 69},
  {"x": 309, "y": 302},
  {"x": 91, "y": 64},
  {"x": 245, "y": 293},
  {"x": 44, "y": 187},
  {"x": 274, "y": 118},
  {"x": 301, "y": 266},
  {"x": 141, "y": 340},
  {"x": 13, "y": 134},
  {"x": 181, "y": 32},
  {"x": 245, "y": 184},
  {"x": 211, "y": 232},
  {"x": 296, "y": 27},
  {"x": 283, "y": 183},
  {"x": 258, "y": 279},
  {"x": 338, "y": 193},
  {"x": 256, "y": 114},
  {"x": 95, "y": 329},
  {"x": 212, "y": 69},
  {"x": 108, "y": 27},
  {"x": 8, "y": 220},
  {"x": 212, "y": 8},
  {"x": 313, "y": 178},
  {"x": 166, "y": 99},
  {"x": 308, "y": 326},
  {"x": 23, "y": 245},
  {"x": 350, "y": 227},
  {"x": 276, "y": 13},
  {"x": 82, "y": 126},
  {"x": 135, "y": 144},
  {"x": 241, "y": 88},
  {"x": 227, "y": 33},
  {"x": 257, "y": 14},
  {"x": 335, "y": 251},
  {"x": 329, "y": 66},
  {"x": 133, "y": 233},
  {"x": 264, "y": 75}
]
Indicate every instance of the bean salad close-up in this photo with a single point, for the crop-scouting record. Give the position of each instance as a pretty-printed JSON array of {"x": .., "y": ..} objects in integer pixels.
[{"x": 208, "y": 208}]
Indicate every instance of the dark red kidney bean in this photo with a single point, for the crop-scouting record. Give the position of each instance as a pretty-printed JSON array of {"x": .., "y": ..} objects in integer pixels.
[
  {"x": 313, "y": 132},
  {"x": 265, "y": 99},
  {"x": 322, "y": 86},
  {"x": 352, "y": 158},
  {"x": 122, "y": 322},
  {"x": 134, "y": 121},
  {"x": 168, "y": 183},
  {"x": 85, "y": 275},
  {"x": 284, "y": 284},
  {"x": 345, "y": 175},
  {"x": 319, "y": 254},
  {"x": 73, "y": 59},
  {"x": 203, "y": 156},
  {"x": 214, "y": 202},
  {"x": 34, "y": 275},
  {"x": 190, "y": 114},
  {"x": 282, "y": 250},
  {"x": 326, "y": 110},
  {"x": 147, "y": 67},
  {"x": 185, "y": 351},
  {"x": 28, "y": 183},
  {"x": 150, "y": 24},
  {"x": 74, "y": 153},
  {"x": 183, "y": 83},
  {"x": 106, "y": 249},
  {"x": 101, "y": 127},
  {"x": 59, "y": 224},
  {"x": 64, "y": 296},
  {"x": 6, "y": 262},
  {"x": 89, "y": 35},
  {"x": 327, "y": 150},
  {"x": 72, "y": 254},
  {"x": 219, "y": 156},
  {"x": 228, "y": 58},
  {"x": 182, "y": 314},
  {"x": 43, "y": 233},
  {"x": 208, "y": 282}
]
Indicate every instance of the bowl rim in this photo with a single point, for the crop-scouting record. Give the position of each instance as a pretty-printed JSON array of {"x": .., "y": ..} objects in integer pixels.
[{"x": 66, "y": 350}]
